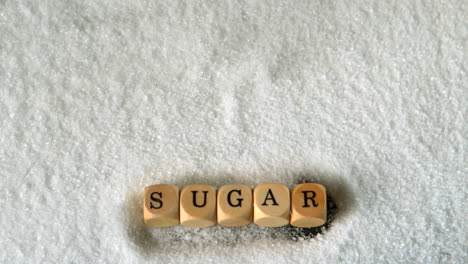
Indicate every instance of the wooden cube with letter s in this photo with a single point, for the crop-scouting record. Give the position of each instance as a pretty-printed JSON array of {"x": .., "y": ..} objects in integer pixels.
[{"x": 161, "y": 205}]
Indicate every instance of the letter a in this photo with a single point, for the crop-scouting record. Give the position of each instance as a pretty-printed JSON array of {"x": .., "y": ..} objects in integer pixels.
[{"x": 269, "y": 196}]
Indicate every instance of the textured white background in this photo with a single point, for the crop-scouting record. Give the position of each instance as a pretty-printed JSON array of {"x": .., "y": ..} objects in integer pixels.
[{"x": 99, "y": 99}]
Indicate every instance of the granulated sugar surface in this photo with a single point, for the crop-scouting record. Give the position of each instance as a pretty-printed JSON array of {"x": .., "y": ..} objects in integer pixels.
[{"x": 99, "y": 99}]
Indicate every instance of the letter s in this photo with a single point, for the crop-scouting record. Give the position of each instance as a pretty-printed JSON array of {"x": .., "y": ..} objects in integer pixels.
[{"x": 157, "y": 200}]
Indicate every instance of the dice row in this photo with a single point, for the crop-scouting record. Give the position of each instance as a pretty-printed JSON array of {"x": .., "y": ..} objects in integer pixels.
[{"x": 268, "y": 204}]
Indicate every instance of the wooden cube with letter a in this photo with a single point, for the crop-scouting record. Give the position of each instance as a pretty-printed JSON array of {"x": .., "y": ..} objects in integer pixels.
[
  {"x": 271, "y": 205},
  {"x": 234, "y": 205},
  {"x": 198, "y": 205},
  {"x": 161, "y": 205},
  {"x": 308, "y": 205}
]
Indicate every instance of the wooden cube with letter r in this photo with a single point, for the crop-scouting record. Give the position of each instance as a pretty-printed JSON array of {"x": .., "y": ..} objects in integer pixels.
[
  {"x": 161, "y": 205},
  {"x": 308, "y": 205}
]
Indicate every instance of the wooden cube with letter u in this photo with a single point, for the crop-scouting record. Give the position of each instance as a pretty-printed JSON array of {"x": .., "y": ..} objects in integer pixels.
[{"x": 198, "y": 205}]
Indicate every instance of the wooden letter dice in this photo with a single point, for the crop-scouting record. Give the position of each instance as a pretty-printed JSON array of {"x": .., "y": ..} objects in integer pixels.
[
  {"x": 235, "y": 205},
  {"x": 161, "y": 205},
  {"x": 198, "y": 205},
  {"x": 308, "y": 205},
  {"x": 271, "y": 205}
]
